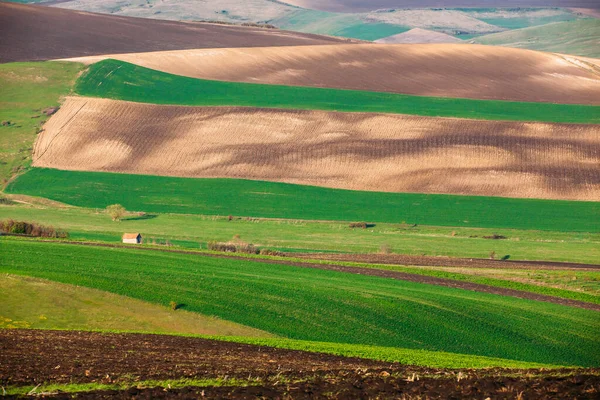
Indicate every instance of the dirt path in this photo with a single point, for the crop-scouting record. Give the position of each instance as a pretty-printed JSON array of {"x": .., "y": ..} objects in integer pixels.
[
  {"x": 375, "y": 272},
  {"x": 429, "y": 261},
  {"x": 30, "y": 357}
]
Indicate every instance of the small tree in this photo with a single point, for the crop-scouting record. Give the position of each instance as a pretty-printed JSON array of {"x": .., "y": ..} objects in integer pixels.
[{"x": 116, "y": 211}]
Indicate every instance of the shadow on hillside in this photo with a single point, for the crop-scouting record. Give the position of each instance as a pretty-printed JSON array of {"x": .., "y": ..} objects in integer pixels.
[{"x": 140, "y": 217}]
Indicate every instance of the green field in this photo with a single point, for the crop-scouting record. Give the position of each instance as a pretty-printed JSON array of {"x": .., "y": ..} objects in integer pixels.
[
  {"x": 336, "y": 24},
  {"x": 279, "y": 200},
  {"x": 123, "y": 81},
  {"x": 26, "y": 89},
  {"x": 40, "y": 304},
  {"x": 325, "y": 306},
  {"x": 307, "y": 236},
  {"x": 579, "y": 37}
]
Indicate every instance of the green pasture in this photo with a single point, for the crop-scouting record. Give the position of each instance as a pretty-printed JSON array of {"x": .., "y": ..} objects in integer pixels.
[
  {"x": 26, "y": 89},
  {"x": 156, "y": 194},
  {"x": 578, "y": 37},
  {"x": 194, "y": 231},
  {"x": 41, "y": 304},
  {"x": 326, "y": 306},
  {"x": 336, "y": 24},
  {"x": 123, "y": 81}
]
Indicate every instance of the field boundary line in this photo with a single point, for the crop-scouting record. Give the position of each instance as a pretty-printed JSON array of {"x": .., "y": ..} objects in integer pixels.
[{"x": 381, "y": 273}]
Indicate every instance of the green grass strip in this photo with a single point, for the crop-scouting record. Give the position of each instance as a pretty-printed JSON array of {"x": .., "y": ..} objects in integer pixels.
[
  {"x": 279, "y": 200},
  {"x": 54, "y": 388},
  {"x": 123, "y": 81},
  {"x": 425, "y": 358},
  {"x": 501, "y": 283},
  {"x": 324, "y": 306}
]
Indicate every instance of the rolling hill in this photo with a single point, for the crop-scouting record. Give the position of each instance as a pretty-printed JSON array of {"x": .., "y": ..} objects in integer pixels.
[
  {"x": 359, "y": 151},
  {"x": 42, "y": 33},
  {"x": 444, "y": 70},
  {"x": 580, "y": 37},
  {"x": 363, "y": 5}
]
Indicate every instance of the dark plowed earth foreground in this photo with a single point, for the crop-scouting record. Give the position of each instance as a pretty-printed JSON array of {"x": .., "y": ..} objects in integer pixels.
[
  {"x": 29, "y": 357},
  {"x": 32, "y": 33}
]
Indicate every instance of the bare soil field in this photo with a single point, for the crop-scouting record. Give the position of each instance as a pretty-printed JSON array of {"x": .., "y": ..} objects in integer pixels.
[
  {"x": 30, "y": 357},
  {"x": 363, "y": 5},
  {"x": 443, "y": 70},
  {"x": 361, "y": 151},
  {"x": 419, "y": 35},
  {"x": 31, "y": 33}
]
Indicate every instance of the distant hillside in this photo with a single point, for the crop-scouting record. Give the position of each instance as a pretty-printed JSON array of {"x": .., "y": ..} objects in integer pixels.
[
  {"x": 580, "y": 37},
  {"x": 418, "y": 35},
  {"x": 371, "y": 23},
  {"x": 32, "y": 33},
  {"x": 368, "y": 5}
]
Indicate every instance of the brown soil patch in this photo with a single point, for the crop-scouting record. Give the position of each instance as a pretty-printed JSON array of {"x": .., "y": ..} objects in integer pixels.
[
  {"x": 444, "y": 70},
  {"x": 362, "y": 151},
  {"x": 419, "y": 35},
  {"x": 42, "y": 33},
  {"x": 31, "y": 357}
]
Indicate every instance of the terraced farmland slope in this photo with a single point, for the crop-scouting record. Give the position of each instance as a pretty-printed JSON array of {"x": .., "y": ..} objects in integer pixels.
[
  {"x": 359, "y": 151},
  {"x": 41, "y": 33},
  {"x": 352, "y": 309},
  {"x": 444, "y": 70}
]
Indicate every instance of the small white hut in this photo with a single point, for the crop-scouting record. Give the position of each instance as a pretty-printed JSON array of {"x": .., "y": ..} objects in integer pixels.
[{"x": 132, "y": 238}]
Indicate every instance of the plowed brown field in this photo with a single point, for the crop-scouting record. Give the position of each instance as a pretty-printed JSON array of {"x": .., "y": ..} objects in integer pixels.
[
  {"x": 359, "y": 151},
  {"x": 41, "y": 33},
  {"x": 445, "y": 70},
  {"x": 29, "y": 357}
]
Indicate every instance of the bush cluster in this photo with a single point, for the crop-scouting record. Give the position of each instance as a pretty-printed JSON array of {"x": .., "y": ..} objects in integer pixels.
[
  {"x": 268, "y": 252},
  {"x": 31, "y": 229},
  {"x": 233, "y": 247}
]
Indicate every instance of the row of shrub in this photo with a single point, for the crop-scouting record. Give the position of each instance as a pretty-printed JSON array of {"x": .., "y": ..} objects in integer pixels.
[
  {"x": 245, "y": 248},
  {"x": 31, "y": 229}
]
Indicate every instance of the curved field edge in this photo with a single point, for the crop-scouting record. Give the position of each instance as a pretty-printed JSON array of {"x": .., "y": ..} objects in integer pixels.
[
  {"x": 416, "y": 357},
  {"x": 43, "y": 304},
  {"x": 352, "y": 309},
  {"x": 261, "y": 199},
  {"x": 494, "y": 282},
  {"x": 124, "y": 81},
  {"x": 356, "y": 151},
  {"x": 415, "y": 270}
]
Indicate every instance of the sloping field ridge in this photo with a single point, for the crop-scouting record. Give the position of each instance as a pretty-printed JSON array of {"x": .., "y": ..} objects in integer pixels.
[
  {"x": 359, "y": 151},
  {"x": 352, "y": 309},
  {"x": 31, "y": 33},
  {"x": 119, "y": 80},
  {"x": 161, "y": 194},
  {"x": 441, "y": 70},
  {"x": 418, "y": 35},
  {"x": 362, "y": 5},
  {"x": 43, "y": 304},
  {"x": 580, "y": 37}
]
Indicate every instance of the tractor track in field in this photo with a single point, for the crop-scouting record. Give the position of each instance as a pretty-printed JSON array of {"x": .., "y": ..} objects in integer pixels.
[
  {"x": 403, "y": 276},
  {"x": 33, "y": 357}
]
